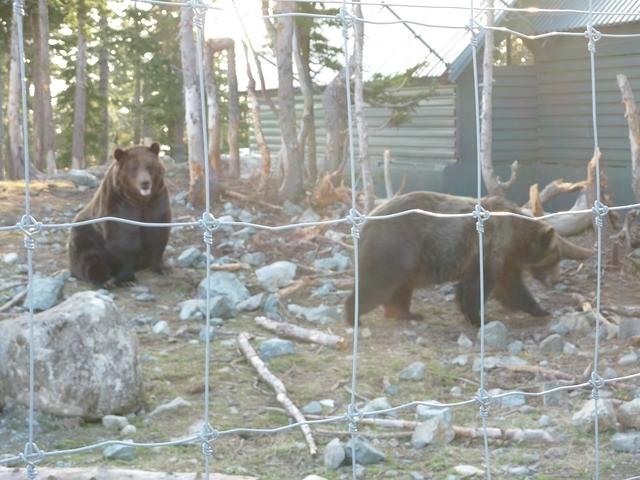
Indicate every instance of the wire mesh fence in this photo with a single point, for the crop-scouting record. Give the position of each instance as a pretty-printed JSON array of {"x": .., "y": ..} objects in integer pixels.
[{"x": 209, "y": 226}]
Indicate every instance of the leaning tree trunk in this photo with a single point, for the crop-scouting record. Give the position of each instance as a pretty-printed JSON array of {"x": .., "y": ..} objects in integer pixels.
[
  {"x": 265, "y": 155},
  {"x": 334, "y": 104},
  {"x": 80, "y": 100},
  {"x": 193, "y": 115},
  {"x": 361, "y": 121},
  {"x": 16, "y": 165},
  {"x": 103, "y": 65},
  {"x": 633, "y": 121},
  {"x": 234, "y": 113},
  {"x": 307, "y": 134},
  {"x": 291, "y": 186},
  {"x": 494, "y": 185},
  {"x": 213, "y": 109},
  {"x": 44, "y": 120}
]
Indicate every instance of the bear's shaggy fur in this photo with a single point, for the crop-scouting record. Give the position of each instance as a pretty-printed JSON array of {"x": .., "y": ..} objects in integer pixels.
[
  {"x": 399, "y": 254},
  {"x": 110, "y": 252}
]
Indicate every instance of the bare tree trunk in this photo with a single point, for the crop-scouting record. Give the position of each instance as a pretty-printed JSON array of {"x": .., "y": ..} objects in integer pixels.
[
  {"x": 16, "y": 165},
  {"x": 361, "y": 121},
  {"x": 334, "y": 103},
  {"x": 213, "y": 110},
  {"x": 103, "y": 62},
  {"x": 80, "y": 100},
  {"x": 633, "y": 121},
  {"x": 3, "y": 145},
  {"x": 494, "y": 185},
  {"x": 291, "y": 186},
  {"x": 193, "y": 115},
  {"x": 234, "y": 113},
  {"x": 176, "y": 137},
  {"x": 137, "y": 110},
  {"x": 265, "y": 155},
  {"x": 307, "y": 134},
  {"x": 388, "y": 184},
  {"x": 44, "y": 120}
]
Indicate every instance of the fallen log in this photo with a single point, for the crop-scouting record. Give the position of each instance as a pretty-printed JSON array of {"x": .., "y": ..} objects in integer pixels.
[
  {"x": 299, "y": 333},
  {"x": 231, "y": 267},
  {"x": 545, "y": 372},
  {"x": 247, "y": 199},
  {"x": 278, "y": 387},
  {"x": 17, "y": 298},
  {"x": 101, "y": 473}
]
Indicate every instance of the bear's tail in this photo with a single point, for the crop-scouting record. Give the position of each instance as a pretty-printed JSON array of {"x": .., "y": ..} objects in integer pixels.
[{"x": 88, "y": 257}]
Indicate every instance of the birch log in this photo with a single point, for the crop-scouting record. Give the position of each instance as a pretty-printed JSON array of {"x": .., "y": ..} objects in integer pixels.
[
  {"x": 299, "y": 333},
  {"x": 101, "y": 473}
]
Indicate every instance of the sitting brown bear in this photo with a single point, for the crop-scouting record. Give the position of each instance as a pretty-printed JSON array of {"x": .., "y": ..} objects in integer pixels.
[
  {"x": 132, "y": 188},
  {"x": 399, "y": 254}
]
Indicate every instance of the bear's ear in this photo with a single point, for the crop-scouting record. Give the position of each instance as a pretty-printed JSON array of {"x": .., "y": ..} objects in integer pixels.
[
  {"x": 546, "y": 236},
  {"x": 155, "y": 148},
  {"x": 119, "y": 154}
]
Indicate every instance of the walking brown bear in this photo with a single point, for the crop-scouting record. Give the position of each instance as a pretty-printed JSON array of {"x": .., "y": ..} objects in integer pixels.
[
  {"x": 110, "y": 252},
  {"x": 400, "y": 254}
]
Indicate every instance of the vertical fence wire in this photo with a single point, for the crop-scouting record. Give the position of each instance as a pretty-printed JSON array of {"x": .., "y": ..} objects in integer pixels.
[
  {"x": 355, "y": 218},
  {"x": 481, "y": 215},
  {"x": 600, "y": 212},
  {"x": 207, "y": 434}
]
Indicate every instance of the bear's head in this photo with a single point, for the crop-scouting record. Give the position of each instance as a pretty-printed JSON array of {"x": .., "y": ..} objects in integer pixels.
[{"x": 139, "y": 173}]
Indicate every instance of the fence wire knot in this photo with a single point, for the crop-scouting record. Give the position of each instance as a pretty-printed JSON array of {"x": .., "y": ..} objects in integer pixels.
[
  {"x": 596, "y": 382},
  {"x": 198, "y": 13},
  {"x": 29, "y": 227},
  {"x": 18, "y": 8},
  {"x": 209, "y": 224},
  {"x": 353, "y": 417},
  {"x": 32, "y": 455},
  {"x": 481, "y": 215},
  {"x": 346, "y": 20},
  {"x": 207, "y": 436},
  {"x": 356, "y": 219},
  {"x": 474, "y": 28},
  {"x": 600, "y": 210},
  {"x": 483, "y": 399},
  {"x": 593, "y": 35}
]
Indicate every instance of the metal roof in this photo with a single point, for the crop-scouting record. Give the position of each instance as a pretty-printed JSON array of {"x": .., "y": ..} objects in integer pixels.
[{"x": 544, "y": 22}]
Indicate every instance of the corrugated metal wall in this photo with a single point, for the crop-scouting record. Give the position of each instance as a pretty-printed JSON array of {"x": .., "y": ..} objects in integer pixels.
[{"x": 429, "y": 137}]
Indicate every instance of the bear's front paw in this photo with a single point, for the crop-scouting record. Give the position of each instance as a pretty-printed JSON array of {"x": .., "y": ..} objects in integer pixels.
[{"x": 161, "y": 269}]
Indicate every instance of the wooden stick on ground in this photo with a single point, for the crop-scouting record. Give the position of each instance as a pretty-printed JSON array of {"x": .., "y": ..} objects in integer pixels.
[
  {"x": 231, "y": 267},
  {"x": 545, "y": 372},
  {"x": 245, "y": 198},
  {"x": 299, "y": 333},
  {"x": 17, "y": 298},
  {"x": 278, "y": 387}
]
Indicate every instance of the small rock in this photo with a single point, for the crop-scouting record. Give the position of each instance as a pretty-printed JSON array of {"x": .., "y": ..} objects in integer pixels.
[
  {"x": 467, "y": 471},
  {"x": 203, "y": 333},
  {"x": 177, "y": 403},
  {"x": 180, "y": 198},
  {"x": 277, "y": 275},
  {"x": 609, "y": 373},
  {"x": 314, "y": 477},
  {"x": 128, "y": 431},
  {"x": 544, "y": 421},
  {"x": 577, "y": 323},
  {"x": 365, "y": 332},
  {"x": 10, "y": 258},
  {"x": 252, "y": 303},
  {"x": 82, "y": 178},
  {"x": 460, "y": 360},
  {"x": 365, "y": 453},
  {"x": 518, "y": 471},
  {"x": 515, "y": 347},
  {"x": 554, "y": 399},
  {"x": 629, "y": 327},
  {"x": 119, "y": 452},
  {"x": 629, "y": 415},
  {"x": 414, "y": 372},
  {"x": 192, "y": 310},
  {"x": 291, "y": 209},
  {"x": 626, "y": 442},
  {"x": 255, "y": 259},
  {"x": 308, "y": 216},
  {"x": 324, "y": 290},
  {"x": 47, "y": 291},
  {"x": 464, "y": 341},
  {"x": 334, "y": 454},
  {"x": 628, "y": 359},
  {"x": 552, "y": 344},
  {"x": 569, "y": 349},
  {"x": 189, "y": 257},
  {"x": 556, "y": 452},
  {"x": 434, "y": 431},
  {"x": 321, "y": 314},
  {"x": 161, "y": 328},
  {"x": 114, "y": 422},
  {"x": 312, "y": 408},
  {"x": 455, "y": 391},
  {"x": 427, "y": 412},
  {"x": 328, "y": 403},
  {"x": 145, "y": 297},
  {"x": 496, "y": 335},
  {"x": 391, "y": 390},
  {"x": 380, "y": 403},
  {"x": 416, "y": 476},
  {"x": 221, "y": 306},
  {"x": 513, "y": 400},
  {"x": 226, "y": 284},
  {"x": 338, "y": 262},
  {"x": 584, "y": 419},
  {"x": 276, "y": 347}
]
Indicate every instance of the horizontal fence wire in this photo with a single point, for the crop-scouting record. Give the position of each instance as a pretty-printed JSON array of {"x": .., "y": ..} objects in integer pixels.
[{"x": 209, "y": 224}]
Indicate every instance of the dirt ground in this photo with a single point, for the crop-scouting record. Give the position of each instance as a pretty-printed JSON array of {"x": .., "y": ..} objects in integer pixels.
[{"x": 173, "y": 366}]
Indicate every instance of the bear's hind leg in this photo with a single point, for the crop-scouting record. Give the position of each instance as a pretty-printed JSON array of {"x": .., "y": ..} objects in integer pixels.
[
  {"x": 468, "y": 291},
  {"x": 399, "y": 303},
  {"x": 513, "y": 293}
]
